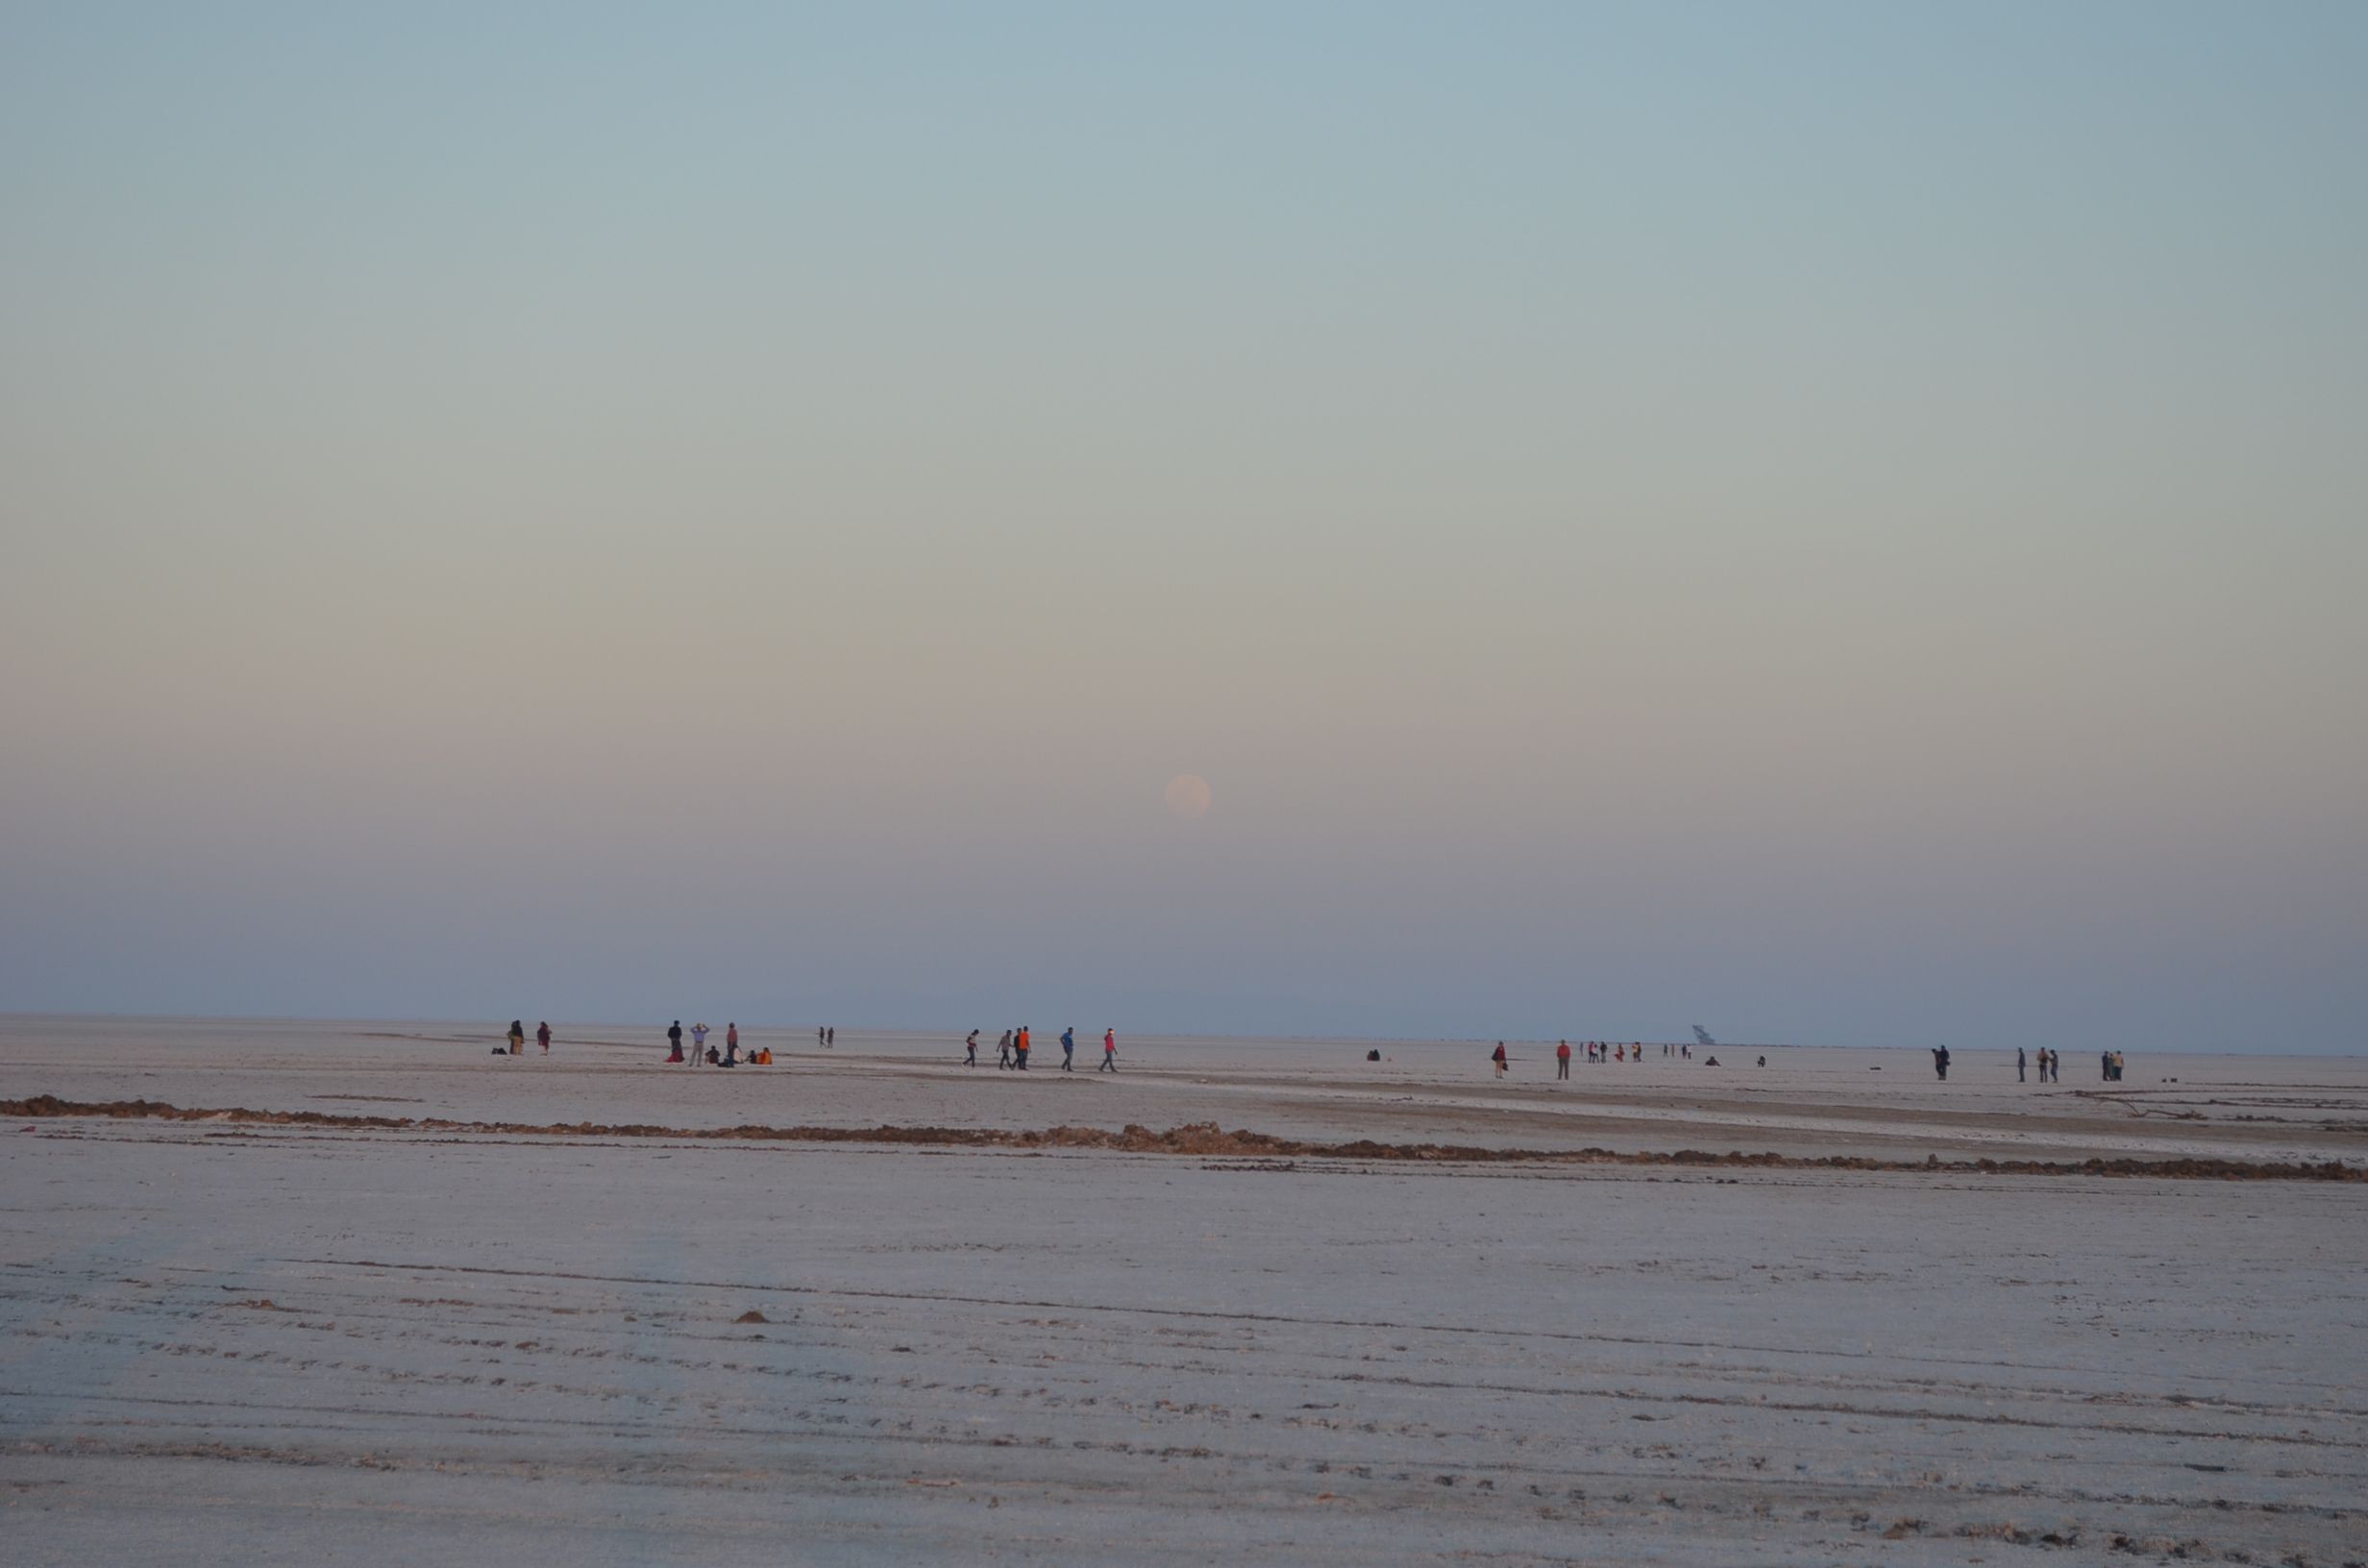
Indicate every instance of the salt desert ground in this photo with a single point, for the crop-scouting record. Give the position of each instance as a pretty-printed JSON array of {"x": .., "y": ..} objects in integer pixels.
[{"x": 392, "y": 1298}]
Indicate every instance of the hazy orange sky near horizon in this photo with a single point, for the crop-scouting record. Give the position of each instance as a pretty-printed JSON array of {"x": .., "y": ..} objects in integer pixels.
[{"x": 1840, "y": 524}]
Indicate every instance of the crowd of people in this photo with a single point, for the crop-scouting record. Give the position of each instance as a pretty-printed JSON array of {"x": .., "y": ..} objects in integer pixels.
[{"x": 1011, "y": 1052}]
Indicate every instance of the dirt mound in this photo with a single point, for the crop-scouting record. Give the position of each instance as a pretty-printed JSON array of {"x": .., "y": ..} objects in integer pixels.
[{"x": 1201, "y": 1138}]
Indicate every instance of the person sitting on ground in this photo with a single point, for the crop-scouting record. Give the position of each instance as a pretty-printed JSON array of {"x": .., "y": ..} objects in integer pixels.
[{"x": 715, "y": 1058}]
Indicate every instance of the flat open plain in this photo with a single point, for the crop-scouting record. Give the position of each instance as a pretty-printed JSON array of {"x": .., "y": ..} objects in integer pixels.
[{"x": 497, "y": 1336}]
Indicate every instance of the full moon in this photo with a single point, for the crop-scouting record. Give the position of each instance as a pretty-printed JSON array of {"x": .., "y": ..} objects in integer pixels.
[{"x": 1188, "y": 794}]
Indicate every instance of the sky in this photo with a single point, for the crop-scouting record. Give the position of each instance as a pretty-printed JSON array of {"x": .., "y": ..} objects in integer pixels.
[{"x": 1840, "y": 524}]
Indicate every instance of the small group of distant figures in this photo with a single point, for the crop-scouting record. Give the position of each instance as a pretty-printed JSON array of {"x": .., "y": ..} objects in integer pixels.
[
  {"x": 730, "y": 1056},
  {"x": 2050, "y": 1063},
  {"x": 701, "y": 1051},
  {"x": 1596, "y": 1051},
  {"x": 1011, "y": 1051}
]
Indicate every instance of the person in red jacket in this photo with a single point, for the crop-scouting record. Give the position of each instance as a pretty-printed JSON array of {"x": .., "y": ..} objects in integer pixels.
[
  {"x": 1109, "y": 1051},
  {"x": 1497, "y": 1056},
  {"x": 1562, "y": 1060}
]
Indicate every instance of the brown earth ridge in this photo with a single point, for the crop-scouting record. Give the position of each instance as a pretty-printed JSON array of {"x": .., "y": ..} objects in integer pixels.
[{"x": 1197, "y": 1138}]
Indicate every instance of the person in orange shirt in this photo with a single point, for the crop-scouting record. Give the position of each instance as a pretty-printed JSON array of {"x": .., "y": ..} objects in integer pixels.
[
  {"x": 1562, "y": 1060},
  {"x": 1018, "y": 1047}
]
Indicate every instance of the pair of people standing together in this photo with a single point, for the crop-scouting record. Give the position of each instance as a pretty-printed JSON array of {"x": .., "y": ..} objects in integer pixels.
[{"x": 517, "y": 1037}]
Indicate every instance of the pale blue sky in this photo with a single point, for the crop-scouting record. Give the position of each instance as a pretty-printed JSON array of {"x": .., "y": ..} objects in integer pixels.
[{"x": 1840, "y": 523}]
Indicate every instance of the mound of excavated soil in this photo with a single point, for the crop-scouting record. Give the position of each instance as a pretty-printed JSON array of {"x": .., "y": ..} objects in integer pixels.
[{"x": 1197, "y": 1138}]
